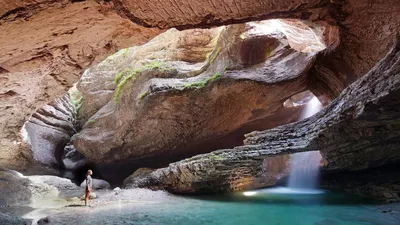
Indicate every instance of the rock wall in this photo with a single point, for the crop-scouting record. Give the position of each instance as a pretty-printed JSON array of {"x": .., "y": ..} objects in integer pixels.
[
  {"x": 367, "y": 28},
  {"x": 45, "y": 46}
]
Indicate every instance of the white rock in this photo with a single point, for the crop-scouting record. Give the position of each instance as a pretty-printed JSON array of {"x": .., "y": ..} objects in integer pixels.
[{"x": 97, "y": 184}]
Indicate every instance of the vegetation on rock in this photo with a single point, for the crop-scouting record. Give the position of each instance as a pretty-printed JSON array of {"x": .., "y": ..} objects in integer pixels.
[
  {"x": 122, "y": 77},
  {"x": 143, "y": 95},
  {"x": 76, "y": 100},
  {"x": 91, "y": 121},
  {"x": 201, "y": 84}
]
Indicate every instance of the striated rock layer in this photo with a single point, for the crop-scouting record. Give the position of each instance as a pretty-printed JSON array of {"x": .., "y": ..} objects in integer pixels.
[
  {"x": 358, "y": 130},
  {"x": 49, "y": 129},
  {"x": 367, "y": 28},
  {"x": 45, "y": 46}
]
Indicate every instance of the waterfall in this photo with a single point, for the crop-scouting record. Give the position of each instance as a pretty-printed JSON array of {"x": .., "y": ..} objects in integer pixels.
[{"x": 304, "y": 166}]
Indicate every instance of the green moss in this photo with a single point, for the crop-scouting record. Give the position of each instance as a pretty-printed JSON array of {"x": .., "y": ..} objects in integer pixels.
[
  {"x": 215, "y": 157},
  {"x": 122, "y": 77},
  {"x": 125, "y": 52},
  {"x": 216, "y": 53},
  {"x": 152, "y": 65},
  {"x": 143, "y": 95},
  {"x": 122, "y": 83},
  {"x": 214, "y": 77},
  {"x": 201, "y": 84},
  {"x": 118, "y": 76},
  {"x": 91, "y": 121},
  {"x": 197, "y": 84},
  {"x": 76, "y": 100}
]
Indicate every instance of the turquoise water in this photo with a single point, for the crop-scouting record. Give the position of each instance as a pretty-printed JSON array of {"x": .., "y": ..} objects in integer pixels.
[{"x": 237, "y": 209}]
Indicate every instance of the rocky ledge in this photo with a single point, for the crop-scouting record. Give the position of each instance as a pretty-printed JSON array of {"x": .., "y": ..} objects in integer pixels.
[{"x": 358, "y": 130}]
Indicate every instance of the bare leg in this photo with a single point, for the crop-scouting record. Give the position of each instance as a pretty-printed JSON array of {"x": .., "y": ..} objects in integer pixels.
[{"x": 87, "y": 195}]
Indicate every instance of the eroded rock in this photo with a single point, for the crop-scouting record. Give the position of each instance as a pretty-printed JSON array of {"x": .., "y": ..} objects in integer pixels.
[
  {"x": 358, "y": 130},
  {"x": 40, "y": 60},
  {"x": 48, "y": 131},
  {"x": 156, "y": 117},
  {"x": 13, "y": 188}
]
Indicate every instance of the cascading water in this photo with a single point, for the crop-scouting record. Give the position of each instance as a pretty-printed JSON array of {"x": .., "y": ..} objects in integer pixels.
[{"x": 304, "y": 166}]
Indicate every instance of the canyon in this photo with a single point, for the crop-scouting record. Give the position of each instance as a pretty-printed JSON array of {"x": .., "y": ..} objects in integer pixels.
[{"x": 201, "y": 96}]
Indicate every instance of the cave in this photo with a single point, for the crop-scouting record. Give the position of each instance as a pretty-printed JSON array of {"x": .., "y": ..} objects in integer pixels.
[{"x": 213, "y": 100}]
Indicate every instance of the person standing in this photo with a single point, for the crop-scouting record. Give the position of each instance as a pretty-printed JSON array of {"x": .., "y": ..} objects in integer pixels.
[{"x": 89, "y": 184}]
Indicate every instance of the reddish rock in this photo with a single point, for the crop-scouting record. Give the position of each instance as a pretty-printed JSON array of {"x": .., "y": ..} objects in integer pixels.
[{"x": 45, "y": 46}]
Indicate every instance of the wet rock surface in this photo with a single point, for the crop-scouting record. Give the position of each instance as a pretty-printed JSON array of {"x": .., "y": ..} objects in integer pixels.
[{"x": 382, "y": 183}]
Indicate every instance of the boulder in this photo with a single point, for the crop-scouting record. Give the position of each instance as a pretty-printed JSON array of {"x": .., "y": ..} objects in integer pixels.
[
  {"x": 71, "y": 158},
  {"x": 14, "y": 188},
  {"x": 44, "y": 220},
  {"x": 117, "y": 191},
  {"x": 97, "y": 184},
  {"x": 137, "y": 175},
  {"x": 23, "y": 190},
  {"x": 62, "y": 185}
]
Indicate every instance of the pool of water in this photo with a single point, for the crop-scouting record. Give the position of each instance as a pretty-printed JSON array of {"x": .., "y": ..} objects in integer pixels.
[{"x": 267, "y": 207}]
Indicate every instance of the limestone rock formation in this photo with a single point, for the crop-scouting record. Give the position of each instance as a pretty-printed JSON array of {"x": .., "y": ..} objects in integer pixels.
[
  {"x": 49, "y": 129},
  {"x": 358, "y": 130},
  {"x": 45, "y": 46},
  {"x": 14, "y": 188},
  {"x": 170, "y": 109},
  {"x": 18, "y": 189},
  {"x": 188, "y": 14},
  {"x": 367, "y": 28},
  {"x": 97, "y": 184},
  {"x": 185, "y": 48},
  {"x": 382, "y": 183}
]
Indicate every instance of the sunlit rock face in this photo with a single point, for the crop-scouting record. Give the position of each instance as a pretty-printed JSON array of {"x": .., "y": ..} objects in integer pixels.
[
  {"x": 188, "y": 49},
  {"x": 45, "y": 46},
  {"x": 357, "y": 131},
  {"x": 366, "y": 32},
  {"x": 172, "y": 108}
]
